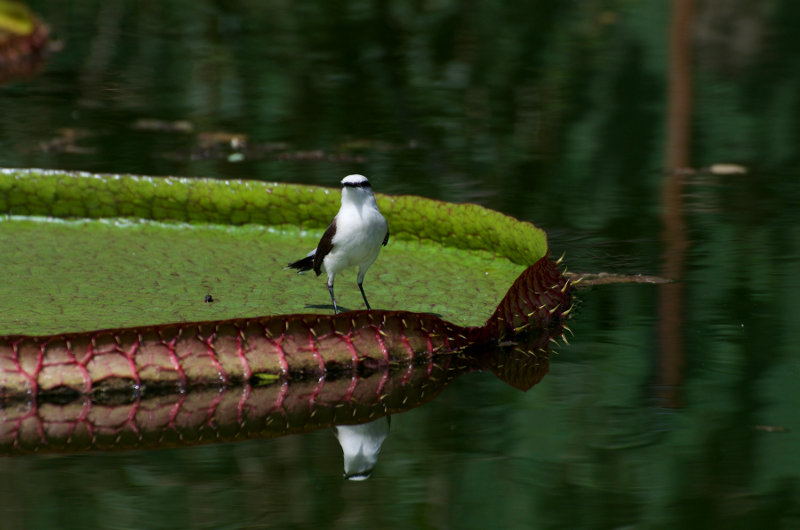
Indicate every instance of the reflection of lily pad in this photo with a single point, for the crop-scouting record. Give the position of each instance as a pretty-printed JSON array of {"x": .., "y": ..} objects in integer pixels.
[
  {"x": 230, "y": 240},
  {"x": 137, "y": 419}
]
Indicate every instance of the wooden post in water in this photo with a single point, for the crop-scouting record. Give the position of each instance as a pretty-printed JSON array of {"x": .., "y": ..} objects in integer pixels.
[{"x": 677, "y": 158}]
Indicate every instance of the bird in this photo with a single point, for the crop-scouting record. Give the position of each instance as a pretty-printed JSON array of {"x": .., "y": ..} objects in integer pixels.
[{"x": 353, "y": 239}]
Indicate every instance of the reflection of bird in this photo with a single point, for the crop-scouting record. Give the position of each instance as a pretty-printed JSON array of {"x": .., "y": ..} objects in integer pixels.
[
  {"x": 353, "y": 238},
  {"x": 361, "y": 445}
]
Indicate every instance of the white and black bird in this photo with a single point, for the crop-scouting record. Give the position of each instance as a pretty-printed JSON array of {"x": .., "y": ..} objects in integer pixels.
[{"x": 353, "y": 239}]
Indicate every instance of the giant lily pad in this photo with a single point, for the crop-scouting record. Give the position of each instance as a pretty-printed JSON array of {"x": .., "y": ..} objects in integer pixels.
[
  {"x": 97, "y": 269},
  {"x": 82, "y": 252}
]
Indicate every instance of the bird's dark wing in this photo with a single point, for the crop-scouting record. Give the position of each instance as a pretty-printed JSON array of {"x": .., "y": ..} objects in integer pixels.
[
  {"x": 325, "y": 246},
  {"x": 386, "y": 239}
]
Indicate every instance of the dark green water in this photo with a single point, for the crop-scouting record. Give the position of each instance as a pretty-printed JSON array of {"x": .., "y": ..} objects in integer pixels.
[{"x": 674, "y": 406}]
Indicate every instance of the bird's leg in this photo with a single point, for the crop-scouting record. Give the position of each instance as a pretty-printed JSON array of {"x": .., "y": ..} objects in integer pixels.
[
  {"x": 362, "y": 294},
  {"x": 333, "y": 299}
]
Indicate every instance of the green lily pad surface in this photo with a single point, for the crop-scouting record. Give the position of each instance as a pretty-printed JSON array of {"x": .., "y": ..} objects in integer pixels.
[{"x": 80, "y": 252}]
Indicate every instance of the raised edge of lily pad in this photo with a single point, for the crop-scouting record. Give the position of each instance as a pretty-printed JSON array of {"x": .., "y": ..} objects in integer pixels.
[{"x": 74, "y": 194}]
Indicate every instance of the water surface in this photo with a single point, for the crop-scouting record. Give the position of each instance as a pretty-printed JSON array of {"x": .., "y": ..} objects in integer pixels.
[{"x": 673, "y": 405}]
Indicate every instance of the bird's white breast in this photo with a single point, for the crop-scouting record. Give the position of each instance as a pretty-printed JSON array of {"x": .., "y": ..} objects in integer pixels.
[{"x": 360, "y": 231}]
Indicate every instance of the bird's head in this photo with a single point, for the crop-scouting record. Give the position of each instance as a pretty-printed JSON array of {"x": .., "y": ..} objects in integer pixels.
[{"x": 356, "y": 188}]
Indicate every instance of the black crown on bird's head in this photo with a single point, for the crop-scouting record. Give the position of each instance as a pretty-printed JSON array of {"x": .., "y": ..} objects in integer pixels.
[{"x": 356, "y": 181}]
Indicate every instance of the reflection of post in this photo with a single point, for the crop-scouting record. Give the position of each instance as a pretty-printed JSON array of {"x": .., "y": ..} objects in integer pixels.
[{"x": 677, "y": 158}]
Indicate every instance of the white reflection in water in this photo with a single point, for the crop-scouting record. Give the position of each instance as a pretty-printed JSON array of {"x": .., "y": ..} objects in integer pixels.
[{"x": 361, "y": 445}]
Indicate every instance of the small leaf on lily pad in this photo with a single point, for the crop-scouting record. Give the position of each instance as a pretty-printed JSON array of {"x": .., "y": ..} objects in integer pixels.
[{"x": 265, "y": 379}]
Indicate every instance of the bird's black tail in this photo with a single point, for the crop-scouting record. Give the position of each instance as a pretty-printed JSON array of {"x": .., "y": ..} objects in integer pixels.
[{"x": 305, "y": 264}]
